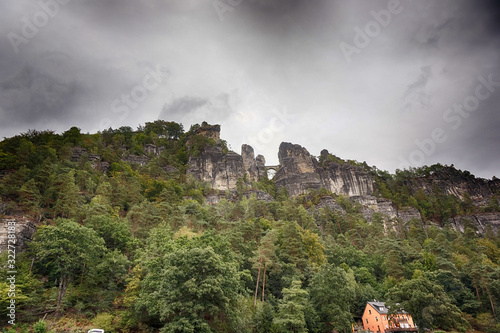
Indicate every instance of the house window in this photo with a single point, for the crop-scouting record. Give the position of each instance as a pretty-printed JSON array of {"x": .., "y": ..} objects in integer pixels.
[
  {"x": 370, "y": 311},
  {"x": 376, "y": 318},
  {"x": 367, "y": 321}
]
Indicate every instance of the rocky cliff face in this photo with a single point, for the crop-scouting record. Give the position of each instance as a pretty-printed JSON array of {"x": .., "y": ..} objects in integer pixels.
[
  {"x": 24, "y": 231},
  {"x": 480, "y": 222},
  {"x": 385, "y": 207},
  {"x": 222, "y": 170},
  {"x": 98, "y": 163},
  {"x": 371, "y": 205},
  {"x": 299, "y": 172},
  {"x": 461, "y": 184},
  {"x": 249, "y": 163}
]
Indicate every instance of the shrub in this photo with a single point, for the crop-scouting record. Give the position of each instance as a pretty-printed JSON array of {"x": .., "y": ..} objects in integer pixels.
[
  {"x": 40, "y": 327},
  {"x": 104, "y": 321}
]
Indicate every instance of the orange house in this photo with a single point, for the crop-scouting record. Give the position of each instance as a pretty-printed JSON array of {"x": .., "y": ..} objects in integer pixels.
[{"x": 377, "y": 319}]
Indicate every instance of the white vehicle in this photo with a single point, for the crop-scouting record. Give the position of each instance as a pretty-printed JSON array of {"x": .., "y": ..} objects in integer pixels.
[{"x": 96, "y": 330}]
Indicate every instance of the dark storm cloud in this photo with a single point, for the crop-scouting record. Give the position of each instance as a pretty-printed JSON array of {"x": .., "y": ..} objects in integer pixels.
[
  {"x": 182, "y": 106},
  {"x": 189, "y": 109},
  {"x": 31, "y": 97},
  {"x": 260, "y": 56},
  {"x": 415, "y": 96}
]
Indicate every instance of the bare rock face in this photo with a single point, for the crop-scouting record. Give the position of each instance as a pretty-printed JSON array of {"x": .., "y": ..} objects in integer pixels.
[
  {"x": 330, "y": 203},
  {"x": 461, "y": 184},
  {"x": 249, "y": 163},
  {"x": 150, "y": 149},
  {"x": 479, "y": 221},
  {"x": 136, "y": 159},
  {"x": 388, "y": 210},
  {"x": 259, "y": 195},
  {"x": 95, "y": 160},
  {"x": 299, "y": 172},
  {"x": 297, "y": 169},
  {"x": 210, "y": 131},
  {"x": 220, "y": 170},
  {"x": 24, "y": 231},
  {"x": 261, "y": 166}
]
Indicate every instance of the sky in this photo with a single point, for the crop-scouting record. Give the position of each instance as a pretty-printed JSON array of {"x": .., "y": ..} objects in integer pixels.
[{"x": 397, "y": 84}]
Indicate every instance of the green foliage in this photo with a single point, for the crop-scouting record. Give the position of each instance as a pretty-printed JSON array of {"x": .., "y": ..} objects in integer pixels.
[
  {"x": 332, "y": 295},
  {"x": 144, "y": 249},
  {"x": 65, "y": 250},
  {"x": 190, "y": 284},
  {"x": 427, "y": 302},
  {"x": 40, "y": 327},
  {"x": 290, "y": 316},
  {"x": 104, "y": 321}
]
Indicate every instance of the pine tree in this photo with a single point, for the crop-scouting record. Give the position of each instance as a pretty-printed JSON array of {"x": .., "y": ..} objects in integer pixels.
[
  {"x": 30, "y": 197},
  {"x": 290, "y": 314},
  {"x": 68, "y": 195}
]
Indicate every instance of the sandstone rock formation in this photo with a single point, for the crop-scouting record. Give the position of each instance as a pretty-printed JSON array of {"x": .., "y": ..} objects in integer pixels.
[
  {"x": 478, "y": 221},
  {"x": 24, "y": 231},
  {"x": 386, "y": 208},
  {"x": 95, "y": 160},
  {"x": 222, "y": 170},
  {"x": 459, "y": 183},
  {"x": 249, "y": 163},
  {"x": 299, "y": 172},
  {"x": 261, "y": 166},
  {"x": 150, "y": 149}
]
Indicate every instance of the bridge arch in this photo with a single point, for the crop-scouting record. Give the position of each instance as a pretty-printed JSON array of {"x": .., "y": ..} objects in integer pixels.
[{"x": 271, "y": 170}]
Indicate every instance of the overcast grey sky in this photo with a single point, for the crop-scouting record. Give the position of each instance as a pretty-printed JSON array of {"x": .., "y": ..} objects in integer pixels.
[{"x": 387, "y": 82}]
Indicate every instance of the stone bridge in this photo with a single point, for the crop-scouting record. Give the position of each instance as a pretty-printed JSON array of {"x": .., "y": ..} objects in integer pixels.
[{"x": 272, "y": 167}]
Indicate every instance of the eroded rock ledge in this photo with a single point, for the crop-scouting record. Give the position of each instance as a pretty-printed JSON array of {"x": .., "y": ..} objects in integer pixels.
[{"x": 299, "y": 172}]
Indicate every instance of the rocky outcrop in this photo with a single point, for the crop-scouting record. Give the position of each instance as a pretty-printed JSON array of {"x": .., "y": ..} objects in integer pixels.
[
  {"x": 261, "y": 166},
  {"x": 386, "y": 208},
  {"x": 220, "y": 170},
  {"x": 299, "y": 172},
  {"x": 259, "y": 195},
  {"x": 209, "y": 131},
  {"x": 136, "y": 159},
  {"x": 223, "y": 169},
  {"x": 330, "y": 203},
  {"x": 96, "y": 161},
  {"x": 150, "y": 149},
  {"x": 24, "y": 230},
  {"x": 249, "y": 163},
  {"x": 214, "y": 199},
  {"x": 480, "y": 222},
  {"x": 460, "y": 184}
]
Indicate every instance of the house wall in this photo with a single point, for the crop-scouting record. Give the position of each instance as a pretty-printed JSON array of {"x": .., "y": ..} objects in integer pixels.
[
  {"x": 402, "y": 317},
  {"x": 376, "y": 322}
]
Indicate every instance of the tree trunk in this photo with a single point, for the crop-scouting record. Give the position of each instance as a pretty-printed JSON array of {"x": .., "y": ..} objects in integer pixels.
[
  {"x": 477, "y": 291},
  {"x": 63, "y": 285},
  {"x": 491, "y": 300},
  {"x": 83, "y": 272},
  {"x": 257, "y": 285},
  {"x": 264, "y": 283}
]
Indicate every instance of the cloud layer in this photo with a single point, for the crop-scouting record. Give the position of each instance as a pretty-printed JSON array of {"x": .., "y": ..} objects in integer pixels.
[{"x": 267, "y": 71}]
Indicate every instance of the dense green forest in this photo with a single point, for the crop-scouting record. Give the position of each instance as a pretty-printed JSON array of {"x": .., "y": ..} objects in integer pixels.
[{"x": 138, "y": 248}]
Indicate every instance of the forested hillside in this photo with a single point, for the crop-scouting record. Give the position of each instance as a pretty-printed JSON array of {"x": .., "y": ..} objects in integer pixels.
[{"x": 128, "y": 241}]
